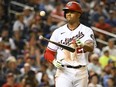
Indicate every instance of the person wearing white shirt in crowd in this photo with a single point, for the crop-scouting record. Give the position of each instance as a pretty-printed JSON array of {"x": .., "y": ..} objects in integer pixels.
[
  {"x": 19, "y": 24},
  {"x": 94, "y": 64},
  {"x": 110, "y": 47},
  {"x": 26, "y": 68},
  {"x": 28, "y": 13}
]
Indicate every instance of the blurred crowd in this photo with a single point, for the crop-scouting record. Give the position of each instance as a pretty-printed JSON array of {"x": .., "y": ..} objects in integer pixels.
[{"x": 22, "y": 63}]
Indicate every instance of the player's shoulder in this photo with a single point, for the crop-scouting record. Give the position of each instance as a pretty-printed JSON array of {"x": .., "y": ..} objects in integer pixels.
[
  {"x": 86, "y": 27},
  {"x": 61, "y": 28}
]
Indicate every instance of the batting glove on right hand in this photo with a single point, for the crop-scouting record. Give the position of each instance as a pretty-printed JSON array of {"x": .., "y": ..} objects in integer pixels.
[{"x": 57, "y": 63}]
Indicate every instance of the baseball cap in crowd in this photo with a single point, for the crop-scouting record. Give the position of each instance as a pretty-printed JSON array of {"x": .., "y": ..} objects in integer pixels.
[
  {"x": 11, "y": 59},
  {"x": 28, "y": 8}
]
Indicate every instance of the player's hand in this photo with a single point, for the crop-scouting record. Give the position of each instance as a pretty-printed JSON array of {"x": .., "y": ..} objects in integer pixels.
[
  {"x": 57, "y": 63},
  {"x": 88, "y": 46},
  {"x": 79, "y": 43}
]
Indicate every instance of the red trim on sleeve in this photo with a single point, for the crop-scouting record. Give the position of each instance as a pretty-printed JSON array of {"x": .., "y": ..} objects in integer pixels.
[{"x": 49, "y": 55}]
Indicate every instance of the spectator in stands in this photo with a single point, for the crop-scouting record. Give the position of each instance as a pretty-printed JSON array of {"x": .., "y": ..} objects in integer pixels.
[
  {"x": 47, "y": 24},
  {"x": 30, "y": 80},
  {"x": 111, "y": 4},
  {"x": 3, "y": 52},
  {"x": 37, "y": 23},
  {"x": 103, "y": 60},
  {"x": 57, "y": 14},
  {"x": 37, "y": 4},
  {"x": 94, "y": 81},
  {"x": 112, "y": 19},
  {"x": 44, "y": 81},
  {"x": 111, "y": 47},
  {"x": 2, "y": 19},
  {"x": 25, "y": 69},
  {"x": 2, "y": 75},
  {"x": 20, "y": 61},
  {"x": 110, "y": 82},
  {"x": 29, "y": 14},
  {"x": 51, "y": 74},
  {"x": 19, "y": 23},
  {"x": 12, "y": 67},
  {"x": 28, "y": 65},
  {"x": 86, "y": 12},
  {"x": 97, "y": 51},
  {"x": 98, "y": 12},
  {"x": 10, "y": 81},
  {"x": 110, "y": 64},
  {"x": 110, "y": 73},
  {"x": 42, "y": 76},
  {"x": 34, "y": 49},
  {"x": 103, "y": 26},
  {"x": 19, "y": 43},
  {"x": 5, "y": 37},
  {"x": 94, "y": 64},
  {"x": 48, "y": 6},
  {"x": 113, "y": 74}
]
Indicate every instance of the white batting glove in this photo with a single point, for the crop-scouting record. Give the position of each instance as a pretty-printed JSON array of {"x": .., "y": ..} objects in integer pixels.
[{"x": 57, "y": 63}]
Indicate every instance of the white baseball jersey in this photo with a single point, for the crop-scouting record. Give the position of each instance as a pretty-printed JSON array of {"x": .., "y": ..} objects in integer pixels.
[
  {"x": 69, "y": 76},
  {"x": 64, "y": 36}
]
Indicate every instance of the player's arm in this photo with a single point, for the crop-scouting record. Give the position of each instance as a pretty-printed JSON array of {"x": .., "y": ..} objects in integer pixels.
[
  {"x": 49, "y": 55},
  {"x": 88, "y": 46},
  {"x": 89, "y": 41}
]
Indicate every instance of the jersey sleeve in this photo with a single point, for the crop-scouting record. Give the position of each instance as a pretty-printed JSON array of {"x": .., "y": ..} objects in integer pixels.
[
  {"x": 89, "y": 36},
  {"x": 50, "y": 52},
  {"x": 54, "y": 38}
]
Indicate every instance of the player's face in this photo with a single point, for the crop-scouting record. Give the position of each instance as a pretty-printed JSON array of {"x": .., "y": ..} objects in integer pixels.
[{"x": 72, "y": 16}]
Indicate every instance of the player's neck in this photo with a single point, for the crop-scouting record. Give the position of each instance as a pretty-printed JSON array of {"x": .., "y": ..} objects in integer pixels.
[{"x": 73, "y": 26}]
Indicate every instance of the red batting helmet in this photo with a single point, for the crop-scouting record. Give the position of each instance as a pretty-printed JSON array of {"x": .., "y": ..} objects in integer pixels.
[{"x": 74, "y": 6}]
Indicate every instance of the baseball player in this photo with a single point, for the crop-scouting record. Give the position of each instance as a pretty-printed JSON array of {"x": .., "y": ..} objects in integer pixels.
[{"x": 71, "y": 67}]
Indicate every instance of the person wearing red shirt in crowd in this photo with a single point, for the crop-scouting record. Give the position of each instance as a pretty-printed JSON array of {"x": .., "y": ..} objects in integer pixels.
[
  {"x": 57, "y": 14},
  {"x": 10, "y": 81},
  {"x": 101, "y": 24}
]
